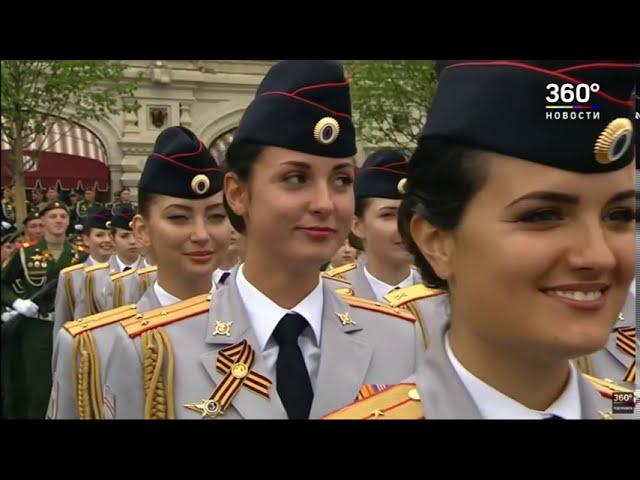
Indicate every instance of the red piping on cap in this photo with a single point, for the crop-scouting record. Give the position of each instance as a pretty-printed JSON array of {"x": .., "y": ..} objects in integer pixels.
[
  {"x": 551, "y": 73},
  {"x": 321, "y": 85},
  {"x": 321, "y": 107}
]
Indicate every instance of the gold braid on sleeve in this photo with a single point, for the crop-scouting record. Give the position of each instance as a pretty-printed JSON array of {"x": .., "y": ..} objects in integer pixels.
[
  {"x": 158, "y": 392},
  {"x": 415, "y": 311},
  {"x": 86, "y": 377}
]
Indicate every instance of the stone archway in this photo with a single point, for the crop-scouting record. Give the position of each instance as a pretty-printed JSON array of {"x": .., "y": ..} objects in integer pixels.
[{"x": 220, "y": 144}]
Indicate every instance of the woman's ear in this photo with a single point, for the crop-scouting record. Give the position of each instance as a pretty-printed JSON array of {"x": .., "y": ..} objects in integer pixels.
[
  {"x": 141, "y": 231},
  {"x": 235, "y": 193},
  {"x": 358, "y": 228},
  {"x": 436, "y": 245}
]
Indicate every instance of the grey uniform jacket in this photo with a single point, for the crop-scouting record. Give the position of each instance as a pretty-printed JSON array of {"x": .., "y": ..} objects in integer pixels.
[
  {"x": 91, "y": 293},
  {"x": 68, "y": 294},
  {"x": 444, "y": 396},
  {"x": 378, "y": 348},
  {"x": 62, "y": 402},
  {"x": 127, "y": 287}
]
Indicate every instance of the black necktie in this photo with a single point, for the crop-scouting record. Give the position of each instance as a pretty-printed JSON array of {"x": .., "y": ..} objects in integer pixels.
[
  {"x": 126, "y": 268},
  {"x": 553, "y": 417},
  {"x": 292, "y": 377},
  {"x": 223, "y": 278}
]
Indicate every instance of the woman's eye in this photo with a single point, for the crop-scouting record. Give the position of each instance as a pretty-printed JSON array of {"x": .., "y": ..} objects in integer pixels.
[
  {"x": 344, "y": 181},
  {"x": 542, "y": 216},
  {"x": 294, "y": 179},
  {"x": 622, "y": 215}
]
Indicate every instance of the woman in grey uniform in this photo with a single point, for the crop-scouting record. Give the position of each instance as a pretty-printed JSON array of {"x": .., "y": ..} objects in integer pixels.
[
  {"x": 276, "y": 341},
  {"x": 526, "y": 216},
  {"x": 182, "y": 222}
]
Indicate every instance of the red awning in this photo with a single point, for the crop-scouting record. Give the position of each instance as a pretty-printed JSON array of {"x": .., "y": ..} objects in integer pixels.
[{"x": 64, "y": 171}]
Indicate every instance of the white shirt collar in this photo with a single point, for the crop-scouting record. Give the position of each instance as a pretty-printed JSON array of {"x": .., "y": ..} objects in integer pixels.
[
  {"x": 217, "y": 274},
  {"x": 496, "y": 405},
  {"x": 121, "y": 265},
  {"x": 380, "y": 289},
  {"x": 165, "y": 298},
  {"x": 264, "y": 314}
]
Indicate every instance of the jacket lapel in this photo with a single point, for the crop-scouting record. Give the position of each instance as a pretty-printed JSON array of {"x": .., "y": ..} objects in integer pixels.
[
  {"x": 226, "y": 306},
  {"x": 361, "y": 286},
  {"x": 442, "y": 393},
  {"x": 344, "y": 360}
]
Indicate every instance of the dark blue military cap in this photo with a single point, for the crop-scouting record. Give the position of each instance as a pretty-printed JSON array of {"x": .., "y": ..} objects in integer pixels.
[
  {"x": 302, "y": 105},
  {"x": 97, "y": 217},
  {"x": 569, "y": 114},
  {"x": 380, "y": 174},
  {"x": 123, "y": 218},
  {"x": 181, "y": 166}
]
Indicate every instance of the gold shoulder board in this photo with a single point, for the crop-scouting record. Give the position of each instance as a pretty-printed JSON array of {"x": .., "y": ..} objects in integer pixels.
[
  {"x": 145, "y": 270},
  {"x": 402, "y": 296},
  {"x": 85, "y": 324},
  {"x": 605, "y": 387},
  {"x": 366, "y": 304},
  {"x": 159, "y": 317},
  {"x": 398, "y": 402},
  {"x": 72, "y": 268},
  {"x": 340, "y": 270},
  {"x": 119, "y": 275},
  {"x": 97, "y": 266}
]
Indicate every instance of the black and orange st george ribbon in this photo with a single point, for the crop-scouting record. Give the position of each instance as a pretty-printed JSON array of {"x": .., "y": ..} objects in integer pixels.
[
  {"x": 235, "y": 363},
  {"x": 626, "y": 341}
]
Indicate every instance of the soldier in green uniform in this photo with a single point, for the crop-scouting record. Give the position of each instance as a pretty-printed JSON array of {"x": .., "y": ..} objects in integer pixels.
[
  {"x": 33, "y": 229},
  {"x": 28, "y": 290},
  {"x": 8, "y": 209},
  {"x": 82, "y": 208},
  {"x": 37, "y": 200},
  {"x": 123, "y": 202}
]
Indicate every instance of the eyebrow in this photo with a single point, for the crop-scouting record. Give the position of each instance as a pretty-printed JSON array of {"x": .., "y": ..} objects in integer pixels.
[
  {"x": 559, "y": 197},
  {"x": 178, "y": 206},
  {"x": 306, "y": 166},
  {"x": 188, "y": 208}
]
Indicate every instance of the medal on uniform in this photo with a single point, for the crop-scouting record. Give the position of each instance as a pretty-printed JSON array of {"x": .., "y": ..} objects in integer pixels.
[
  {"x": 345, "y": 319},
  {"x": 235, "y": 363},
  {"x": 223, "y": 328}
]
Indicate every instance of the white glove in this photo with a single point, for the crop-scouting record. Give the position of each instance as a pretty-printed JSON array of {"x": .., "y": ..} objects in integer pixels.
[
  {"x": 78, "y": 227},
  {"x": 25, "y": 307},
  {"x": 6, "y": 225},
  {"x": 6, "y": 316}
]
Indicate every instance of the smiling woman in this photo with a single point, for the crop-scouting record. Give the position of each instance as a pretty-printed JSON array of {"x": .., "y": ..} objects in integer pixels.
[
  {"x": 528, "y": 223},
  {"x": 183, "y": 224},
  {"x": 538, "y": 256},
  {"x": 388, "y": 264},
  {"x": 273, "y": 342}
]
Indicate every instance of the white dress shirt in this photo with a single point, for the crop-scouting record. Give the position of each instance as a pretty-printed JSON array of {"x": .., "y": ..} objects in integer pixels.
[
  {"x": 122, "y": 265},
  {"x": 264, "y": 316},
  {"x": 380, "y": 289},
  {"x": 494, "y": 405},
  {"x": 165, "y": 298},
  {"x": 217, "y": 274}
]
